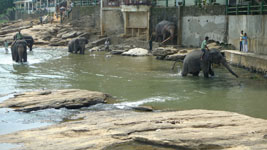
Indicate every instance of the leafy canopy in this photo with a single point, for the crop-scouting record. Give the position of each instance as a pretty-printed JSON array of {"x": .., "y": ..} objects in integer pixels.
[{"x": 5, "y": 4}]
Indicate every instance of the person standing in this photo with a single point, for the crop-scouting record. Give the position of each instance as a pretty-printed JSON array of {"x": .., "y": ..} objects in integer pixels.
[
  {"x": 6, "y": 46},
  {"x": 245, "y": 43},
  {"x": 241, "y": 40},
  {"x": 204, "y": 46},
  {"x": 107, "y": 45},
  {"x": 150, "y": 43},
  {"x": 41, "y": 20}
]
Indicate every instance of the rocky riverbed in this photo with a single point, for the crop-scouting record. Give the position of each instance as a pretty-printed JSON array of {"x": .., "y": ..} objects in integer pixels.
[
  {"x": 55, "y": 34},
  {"x": 191, "y": 129}
]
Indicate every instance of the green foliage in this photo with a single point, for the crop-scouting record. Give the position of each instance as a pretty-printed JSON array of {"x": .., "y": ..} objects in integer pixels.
[{"x": 5, "y": 4}]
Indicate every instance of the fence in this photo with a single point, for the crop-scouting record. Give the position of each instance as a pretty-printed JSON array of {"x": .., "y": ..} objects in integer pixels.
[
  {"x": 86, "y": 2},
  {"x": 247, "y": 9}
]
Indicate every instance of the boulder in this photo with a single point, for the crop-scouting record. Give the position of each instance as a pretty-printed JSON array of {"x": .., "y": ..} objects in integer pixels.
[
  {"x": 136, "y": 52},
  {"x": 99, "y": 42},
  {"x": 175, "y": 57},
  {"x": 117, "y": 52},
  {"x": 59, "y": 43},
  {"x": 69, "y": 35},
  {"x": 176, "y": 130},
  {"x": 164, "y": 51},
  {"x": 70, "y": 98}
]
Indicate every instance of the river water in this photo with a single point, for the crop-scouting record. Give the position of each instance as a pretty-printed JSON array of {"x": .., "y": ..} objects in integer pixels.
[{"x": 133, "y": 81}]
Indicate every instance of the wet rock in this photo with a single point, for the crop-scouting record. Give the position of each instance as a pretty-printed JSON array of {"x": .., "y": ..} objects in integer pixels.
[
  {"x": 97, "y": 48},
  {"x": 59, "y": 43},
  {"x": 164, "y": 51},
  {"x": 71, "y": 98},
  {"x": 143, "y": 108},
  {"x": 136, "y": 52},
  {"x": 85, "y": 35},
  {"x": 175, "y": 57},
  {"x": 117, "y": 52},
  {"x": 191, "y": 129},
  {"x": 69, "y": 35},
  {"x": 214, "y": 45},
  {"x": 99, "y": 42}
]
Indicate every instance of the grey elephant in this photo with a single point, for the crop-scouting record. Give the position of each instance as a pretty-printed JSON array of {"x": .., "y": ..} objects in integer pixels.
[
  {"x": 165, "y": 30},
  {"x": 77, "y": 44},
  {"x": 19, "y": 51},
  {"x": 193, "y": 63},
  {"x": 28, "y": 39}
]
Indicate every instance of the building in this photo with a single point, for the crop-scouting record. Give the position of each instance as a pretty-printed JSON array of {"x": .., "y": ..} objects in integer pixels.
[{"x": 30, "y": 6}]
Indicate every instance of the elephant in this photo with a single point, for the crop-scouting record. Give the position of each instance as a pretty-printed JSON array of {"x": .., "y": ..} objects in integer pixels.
[
  {"x": 28, "y": 39},
  {"x": 193, "y": 63},
  {"x": 19, "y": 51},
  {"x": 165, "y": 29},
  {"x": 77, "y": 44}
]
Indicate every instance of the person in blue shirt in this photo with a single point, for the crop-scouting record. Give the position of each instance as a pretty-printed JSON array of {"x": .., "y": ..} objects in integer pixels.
[{"x": 245, "y": 43}]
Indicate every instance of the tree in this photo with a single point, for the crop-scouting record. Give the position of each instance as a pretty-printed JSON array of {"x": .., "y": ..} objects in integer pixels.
[{"x": 5, "y": 4}]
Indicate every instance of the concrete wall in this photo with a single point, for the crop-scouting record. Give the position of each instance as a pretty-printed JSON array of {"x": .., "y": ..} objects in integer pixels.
[
  {"x": 199, "y": 22},
  {"x": 196, "y": 28},
  {"x": 89, "y": 13},
  {"x": 137, "y": 20},
  {"x": 254, "y": 26},
  {"x": 112, "y": 21}
]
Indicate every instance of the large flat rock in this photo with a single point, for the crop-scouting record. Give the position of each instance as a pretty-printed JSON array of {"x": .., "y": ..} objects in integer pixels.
[
  {"x": 69, "y": 98},
  {"x": 183, "y": 130}
]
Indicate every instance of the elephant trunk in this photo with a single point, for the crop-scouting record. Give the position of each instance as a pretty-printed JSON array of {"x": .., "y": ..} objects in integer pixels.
[
  {"x": 171, "y": 31},
  {"x": 223, "y": 61}
]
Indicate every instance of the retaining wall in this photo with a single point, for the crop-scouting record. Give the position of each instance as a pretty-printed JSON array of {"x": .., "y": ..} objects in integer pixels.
[{"x": 254, "y": 26}]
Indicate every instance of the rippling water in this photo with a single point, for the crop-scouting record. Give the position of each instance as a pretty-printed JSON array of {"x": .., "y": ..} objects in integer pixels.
[{"x": 132, "y": 80}]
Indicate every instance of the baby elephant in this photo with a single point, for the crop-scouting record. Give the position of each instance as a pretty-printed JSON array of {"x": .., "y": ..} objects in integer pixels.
[{"x": 77, "y": 44}]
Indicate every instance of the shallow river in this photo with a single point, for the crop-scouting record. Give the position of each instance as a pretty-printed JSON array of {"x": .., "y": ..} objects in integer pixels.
[{"x": 132, "y": 80}]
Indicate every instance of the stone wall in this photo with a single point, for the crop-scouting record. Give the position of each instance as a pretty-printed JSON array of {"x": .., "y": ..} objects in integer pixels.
[
  {"x": 194, "y": 29},
  {"x": 198, "y": 22},
  {"x": 89, "y": 16},
  {"x": 112, "y": 22},
  {"x": 254, "y": 26}
]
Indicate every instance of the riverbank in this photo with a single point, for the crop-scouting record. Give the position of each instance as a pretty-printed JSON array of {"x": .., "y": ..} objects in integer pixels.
[{"x": 118, "y": 130}]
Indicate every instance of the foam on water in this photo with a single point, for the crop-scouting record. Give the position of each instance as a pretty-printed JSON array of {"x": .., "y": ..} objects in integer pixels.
[{"x": 157, "y": 99}]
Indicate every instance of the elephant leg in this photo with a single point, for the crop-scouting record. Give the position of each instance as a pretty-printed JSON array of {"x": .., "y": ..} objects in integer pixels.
[
  {"x": 211, "y": 72},
  {"x": 195, "y": 74},
  {"x": 25, "y": 56},
  {"x": 185, "y": 70},
  {"x": 30, "y": 47}
]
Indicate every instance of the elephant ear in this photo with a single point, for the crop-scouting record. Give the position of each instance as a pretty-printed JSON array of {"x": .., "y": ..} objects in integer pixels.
[{"x": 215, "y": 56}]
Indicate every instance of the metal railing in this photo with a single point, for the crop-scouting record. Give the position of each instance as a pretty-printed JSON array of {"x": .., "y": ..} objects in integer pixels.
[
  {"x": 247, "y": 9},
  {"x": 86, "y": 2}
]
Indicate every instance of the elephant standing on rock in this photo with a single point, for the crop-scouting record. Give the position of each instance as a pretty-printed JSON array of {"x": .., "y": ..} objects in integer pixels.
[
  {"x": 166, "y": 31},
  {"x": 28, "y": 39},
  {"x": 77, "y": 44},
  {"x": 19, "y": 51},
  {"x": 193, "y": 63}
]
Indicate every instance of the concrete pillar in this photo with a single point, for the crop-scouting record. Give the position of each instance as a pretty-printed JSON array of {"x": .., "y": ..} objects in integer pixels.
[
  {"x": 101, "y": 18},
  {"x": 125, "y": 18},
  {"x": 179, "y": 26},
  {"x": 148, "y": 26},
  {"x": 25, "y": 5}
]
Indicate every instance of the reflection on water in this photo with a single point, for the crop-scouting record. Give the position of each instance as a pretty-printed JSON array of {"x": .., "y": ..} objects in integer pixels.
[{"x": 134, "y": 81}]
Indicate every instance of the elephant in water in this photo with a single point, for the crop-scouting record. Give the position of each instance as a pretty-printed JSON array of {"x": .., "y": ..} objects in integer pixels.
[
  {"x": 19, "y": 51},
  {"x": 28, "y": 39},
  {"x": 77, "y": 44},
  {"x": 165, "y": 30},
  {"x": 193, "y": 63}
]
